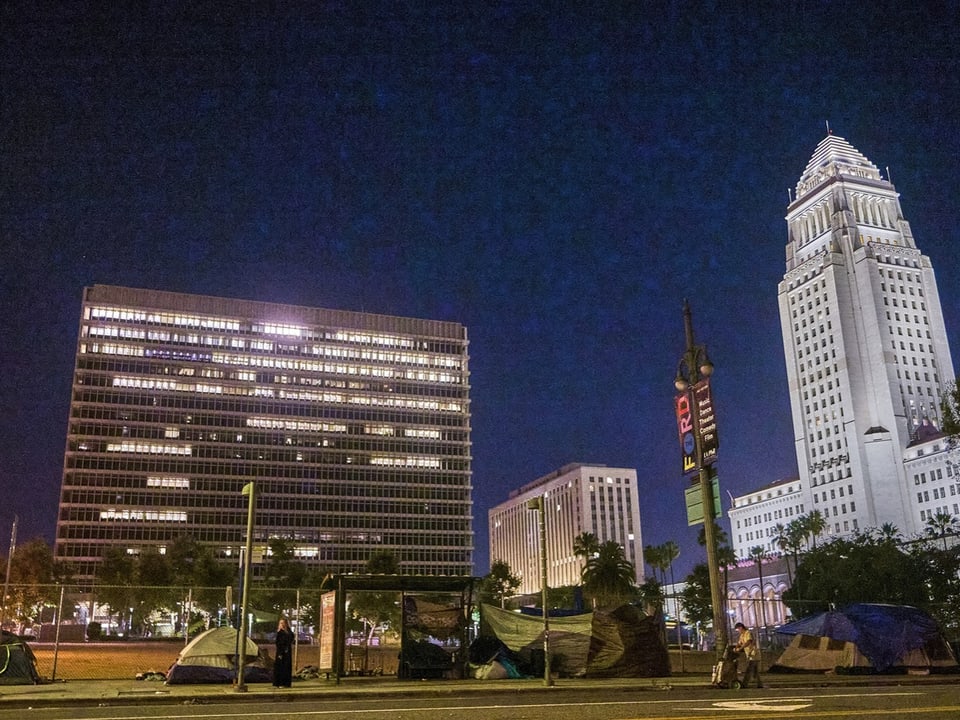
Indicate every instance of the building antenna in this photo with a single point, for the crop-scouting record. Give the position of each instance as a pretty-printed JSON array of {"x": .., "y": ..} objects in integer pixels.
[
  {"x": 888, "y": 175},
  {"x": 789, "y": 196},
  {"x": 828, "y": 127}
]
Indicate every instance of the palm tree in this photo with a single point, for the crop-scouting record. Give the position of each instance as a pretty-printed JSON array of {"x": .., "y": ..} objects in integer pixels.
[
  {"x": 671, "y": 551},
  {"x": 585, "y": 545},
  {"x": 940, "y": 525},
  {"x": 815, "y": 524},
  {"x": 653, "y": 556},
  {"x": 782, "y": 541},
  {"x": 758, "y": 554},
  {"x": 608, "y": 576}
]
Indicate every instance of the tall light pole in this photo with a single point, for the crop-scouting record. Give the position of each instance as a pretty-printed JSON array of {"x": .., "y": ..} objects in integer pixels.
[
  {"x": 250, "y": 490},
  {"x": 538, "y": 505},
  {"x": 694, "y": 411}
]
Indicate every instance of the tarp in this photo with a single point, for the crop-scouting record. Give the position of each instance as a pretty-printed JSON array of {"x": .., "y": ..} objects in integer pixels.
[
  {"x": 623, "y": 642},
  {"x": 18, "y": 666},
  {"x": 886, "y": 635},
  {"x": 211, "y": 658}
]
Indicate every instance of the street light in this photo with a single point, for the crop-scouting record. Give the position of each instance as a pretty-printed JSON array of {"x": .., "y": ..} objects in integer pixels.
[
  {"x": 251, "y": 491},
  {"x": 692, "y": 384},
  {"x": 538, "y": 505}
]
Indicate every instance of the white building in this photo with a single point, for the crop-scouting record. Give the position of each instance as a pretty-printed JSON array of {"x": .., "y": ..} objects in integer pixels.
[
  {"x": 578, "y": 498},
  {"x": 754, "y": 516},
  {"x": 864, "y": 340},
  {"x": 932, "y": 467}
]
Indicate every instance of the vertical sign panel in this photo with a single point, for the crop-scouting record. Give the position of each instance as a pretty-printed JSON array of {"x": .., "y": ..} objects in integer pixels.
[
  {"x": 688, "y": 445},
  {"x": 707, "y": 421}
]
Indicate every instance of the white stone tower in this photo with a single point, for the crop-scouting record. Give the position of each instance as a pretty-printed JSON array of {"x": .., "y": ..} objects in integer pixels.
[{"x": 864, "y": 340}]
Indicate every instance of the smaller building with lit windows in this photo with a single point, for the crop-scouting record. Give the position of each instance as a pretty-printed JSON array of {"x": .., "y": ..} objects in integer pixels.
[
  {"x": 932, "y": 467},
  {"x": 755, "y": 515},
  {"x": 578, "y": 498}
]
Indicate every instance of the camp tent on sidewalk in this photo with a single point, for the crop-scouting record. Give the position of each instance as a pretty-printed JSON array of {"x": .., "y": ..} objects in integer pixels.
[
  {"x": 18, "y": 666},
  {"x": 868, "y": 636},
  {"x": 619, "y": 642},
  {"x": 211, "y": 658}
]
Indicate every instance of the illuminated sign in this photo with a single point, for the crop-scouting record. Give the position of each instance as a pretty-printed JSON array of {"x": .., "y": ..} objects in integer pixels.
[{"x": 697, "y": 399}]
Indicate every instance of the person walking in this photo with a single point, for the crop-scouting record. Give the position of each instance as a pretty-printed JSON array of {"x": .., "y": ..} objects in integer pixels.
[
  {"x": 748, "y": 645},
  {"x": 283, "y": 665}
]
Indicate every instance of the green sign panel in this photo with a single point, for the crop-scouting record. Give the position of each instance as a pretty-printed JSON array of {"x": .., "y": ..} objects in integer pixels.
[{"x": 695, "y": 502}]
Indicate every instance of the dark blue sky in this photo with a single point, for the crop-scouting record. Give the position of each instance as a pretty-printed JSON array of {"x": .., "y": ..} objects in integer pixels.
[{"x": 555, "y": 176}]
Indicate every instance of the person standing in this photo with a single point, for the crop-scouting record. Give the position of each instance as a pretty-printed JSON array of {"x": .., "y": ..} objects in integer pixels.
[
  {"x": 283, "y": 665},
  {"x": 748, "y": 645}
]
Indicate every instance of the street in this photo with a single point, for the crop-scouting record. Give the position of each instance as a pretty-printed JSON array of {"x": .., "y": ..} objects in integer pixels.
[{"x": 929, "y": 702}]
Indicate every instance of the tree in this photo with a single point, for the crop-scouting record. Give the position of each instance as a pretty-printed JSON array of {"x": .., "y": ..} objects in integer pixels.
[
  {"x": 283, "y": 576},
  {"x": 942, "y": 525},
  {"x": 500, "y": 583},
  {"x": 950, "y": 411},
  {"x": 758, "y": 554},
  {"x": 696, "y": 595},
  {"x": 586, "y": 545},
  {"x": 115, "y": 578},
  {"x": 608, "y": 577},
  {"x": 814, "y": 523},
  {"x": 860, "y": 569},
  {"x": 378, "y": 609},
  {"x": 33, "y": 581}
]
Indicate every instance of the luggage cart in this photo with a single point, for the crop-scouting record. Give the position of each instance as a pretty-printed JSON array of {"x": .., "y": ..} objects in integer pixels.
[{"x": 724, "y": 673}]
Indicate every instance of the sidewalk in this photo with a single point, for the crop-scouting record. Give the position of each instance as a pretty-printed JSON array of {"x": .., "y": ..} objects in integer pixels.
[{"x": 133, "y": 692}]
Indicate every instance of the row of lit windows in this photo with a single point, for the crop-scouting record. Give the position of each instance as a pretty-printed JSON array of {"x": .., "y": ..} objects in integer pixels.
[
  {"x": 234, "y": 326},
  {"x": 279, "y": 362},
  {"x": 146, "y": 383},
  {"x": 211, "y": 405}
]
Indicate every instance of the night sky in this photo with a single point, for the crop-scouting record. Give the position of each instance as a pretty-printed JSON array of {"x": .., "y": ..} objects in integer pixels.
[{"x": 557, "y": 177}]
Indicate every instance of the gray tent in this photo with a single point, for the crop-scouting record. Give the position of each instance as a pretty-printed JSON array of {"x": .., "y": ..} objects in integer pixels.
[
  {"x": 18, "y": 666},
  {"x": 622, "y": 642},
  {"x": 211, "y": 657}
]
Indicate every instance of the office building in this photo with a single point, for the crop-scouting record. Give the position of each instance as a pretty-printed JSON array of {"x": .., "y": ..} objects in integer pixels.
[
  {"x": 354, "y": 427},
  {"x": 863, "y": 333},
  {"x": 578, "y": 498}
]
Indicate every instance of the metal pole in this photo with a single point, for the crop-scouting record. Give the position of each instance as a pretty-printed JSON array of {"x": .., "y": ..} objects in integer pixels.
[
  {"x": 539, "y": 504},
  {"x": 706, "y": 493},
  {"x": 56, "y": 639},
  {"x": 6, "y": 582},
  {"x": 250, "y": 490}
]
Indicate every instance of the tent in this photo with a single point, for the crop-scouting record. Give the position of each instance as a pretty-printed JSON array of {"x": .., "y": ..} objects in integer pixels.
[
  {"x": 622, "y": 642},
  {"x": 18, "y": 666},
  {"x": 865, "y": 635},
  {"x": 211, "y": 658}
]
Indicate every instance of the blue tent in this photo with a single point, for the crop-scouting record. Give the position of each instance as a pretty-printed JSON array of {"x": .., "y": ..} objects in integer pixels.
[{"x": 883, "y": 633}]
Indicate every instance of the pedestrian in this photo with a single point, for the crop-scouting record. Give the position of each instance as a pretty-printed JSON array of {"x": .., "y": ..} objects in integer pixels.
[
  {"x": 748, "y": 645},
  {"x": 283, "y": 665}
]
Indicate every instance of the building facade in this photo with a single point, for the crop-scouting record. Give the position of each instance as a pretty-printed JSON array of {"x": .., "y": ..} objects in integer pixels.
[
  {"x": 354, "y": 427},
  {"x": 578, "y": 498},
  {"x": 864, "y": 340},
  {"x": 755, "y": 516}
]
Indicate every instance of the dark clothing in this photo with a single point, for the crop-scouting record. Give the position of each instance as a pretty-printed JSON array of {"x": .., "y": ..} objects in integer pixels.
[{"x": 283, "y": 665}]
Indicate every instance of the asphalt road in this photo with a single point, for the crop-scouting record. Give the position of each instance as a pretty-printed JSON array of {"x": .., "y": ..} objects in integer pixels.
[{"x": 929, "y": 702}]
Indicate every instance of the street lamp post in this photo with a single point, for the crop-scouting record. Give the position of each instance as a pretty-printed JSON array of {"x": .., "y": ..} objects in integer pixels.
[
  {"x": 694, "y": 367},
  {"x": 251, "y": 491},
  {"x": 538, "y": 505}
]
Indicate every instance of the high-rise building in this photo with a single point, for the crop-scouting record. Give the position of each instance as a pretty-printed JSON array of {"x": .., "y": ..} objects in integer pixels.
[
  {"x": 578, "y": 498},
  {"x": 354, "y": 427},
  {"x": 864, "y": 339}
]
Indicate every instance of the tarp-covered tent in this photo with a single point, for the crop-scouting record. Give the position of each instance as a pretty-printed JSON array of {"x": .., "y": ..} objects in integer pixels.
[
  {"x": 623, "y": 642},
  {"x": 865, "y": 635},
  {"x": 18, "y": 666},
  {"x": 211, "y": 658}
]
